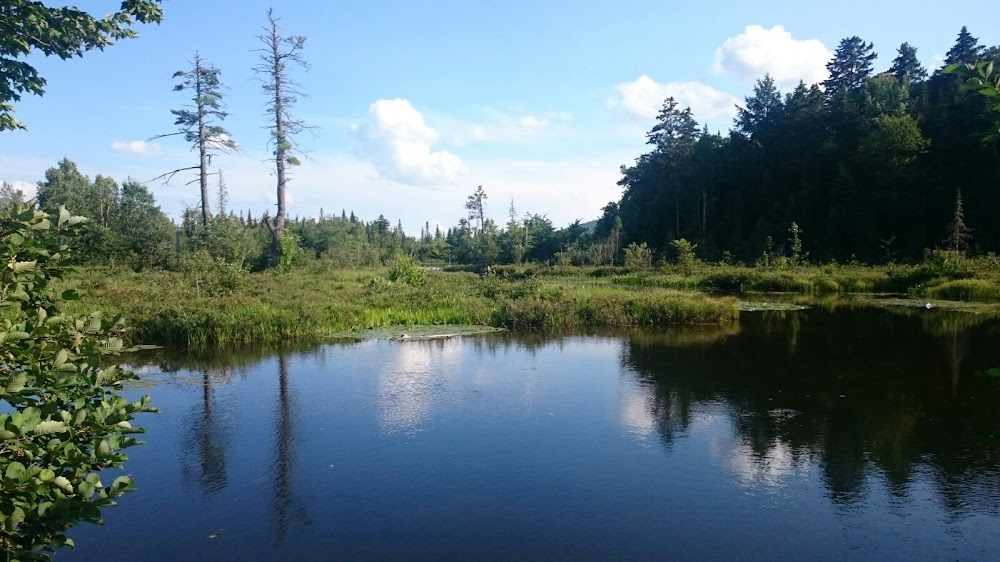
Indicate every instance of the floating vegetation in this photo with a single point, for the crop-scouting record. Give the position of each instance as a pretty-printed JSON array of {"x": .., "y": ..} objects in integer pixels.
[
  {"x": 417, "y": 333},
  {"x": 771, "y": 306}
]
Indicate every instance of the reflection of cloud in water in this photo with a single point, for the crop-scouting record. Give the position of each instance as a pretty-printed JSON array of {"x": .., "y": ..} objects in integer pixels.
[
  {"x": 406, "y": 386},
  {"x": 771, "y": 467},
  {"x": 637, "y": 412}
]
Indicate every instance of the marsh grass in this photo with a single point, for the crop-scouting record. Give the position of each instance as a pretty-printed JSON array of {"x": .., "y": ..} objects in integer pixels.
[{"x": 165, "y": 308}]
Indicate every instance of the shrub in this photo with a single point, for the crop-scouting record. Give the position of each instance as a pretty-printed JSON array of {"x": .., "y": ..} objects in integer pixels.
[
  {"x": 638, "y": 256},
  {"x": 406, "y": 270},
  {"x": 685, "y": 257},
  {"x": 63, "y": 422}
]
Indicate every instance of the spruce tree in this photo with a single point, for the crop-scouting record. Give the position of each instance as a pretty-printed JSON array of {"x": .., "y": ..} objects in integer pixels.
[
  {"x": 199, "y": 124},
  {"x": 906, "y": 64},
  {"x": 959, "y": 234},
  {"x": 277, "y": 56},
  {"x": 851, "y": 65},
  {"x": 966, "y": 49}
]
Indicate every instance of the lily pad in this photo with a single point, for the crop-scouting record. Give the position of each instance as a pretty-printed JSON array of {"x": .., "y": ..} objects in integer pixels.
[
  {"x": 770, "y": 306},
  {"x": 417, "y": 332},
  {"x": 974, "y": 307}
]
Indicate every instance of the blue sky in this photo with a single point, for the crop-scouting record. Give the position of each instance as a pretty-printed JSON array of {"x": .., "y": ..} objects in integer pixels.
[{"x": 417, "y": 103}]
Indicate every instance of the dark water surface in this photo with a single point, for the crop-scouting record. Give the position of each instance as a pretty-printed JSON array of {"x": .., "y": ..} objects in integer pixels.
[{"x": 822, "y": 434}]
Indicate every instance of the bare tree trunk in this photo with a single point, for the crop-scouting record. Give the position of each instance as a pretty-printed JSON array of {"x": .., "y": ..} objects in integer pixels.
[
  {"x": 677, "y": 211},
  {"x": 281, "y": 143},
  {"x": 206, "y": 213},
  {"x": 704, "y": 213}
]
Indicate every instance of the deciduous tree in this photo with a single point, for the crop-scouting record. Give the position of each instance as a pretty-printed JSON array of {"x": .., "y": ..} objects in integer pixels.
[{"x": 29, "y": 26}]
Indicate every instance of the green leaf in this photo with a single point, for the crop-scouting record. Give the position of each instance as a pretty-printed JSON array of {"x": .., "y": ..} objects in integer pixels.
[
  {"x": 15, "y": 471},
  {"x": 46, "y": 475},
  {"x": 43, "y": 507},
  {"x": 50, "y": 426},
  {"x": 16, "y": 518},
  {"x": 63, "y": 483},
  {"x": 86, "y": 489},
  {"x": 22, "y": 266},
  {"x": 61, "y": 358},
  {"x": 64, "y": 215},
  {"x": 17, "y": 383}
]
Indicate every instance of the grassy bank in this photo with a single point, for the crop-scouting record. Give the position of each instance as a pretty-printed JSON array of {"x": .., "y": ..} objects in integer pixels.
[
  {"x": 943, "y": 275},
  {"x": 226, "y": 308}
]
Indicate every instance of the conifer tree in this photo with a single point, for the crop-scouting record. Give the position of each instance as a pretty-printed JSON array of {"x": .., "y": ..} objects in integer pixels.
[
  {"x": 959, "y": 235},
  {"x": 906, "y": 64},
  {"x": 199, "y": 124}
]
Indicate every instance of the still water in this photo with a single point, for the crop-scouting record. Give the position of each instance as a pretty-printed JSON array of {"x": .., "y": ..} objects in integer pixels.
[{"x": 822, "y": 434}]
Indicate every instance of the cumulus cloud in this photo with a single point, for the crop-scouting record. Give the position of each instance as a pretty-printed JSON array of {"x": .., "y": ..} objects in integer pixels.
[
  {"x": 643, "y": 98},
  {"x": 401, "y": 145},
  {"x": 759, "y": 51},
  {"x": 136, "y": 147},
  {"x": 25, "y": 187}
]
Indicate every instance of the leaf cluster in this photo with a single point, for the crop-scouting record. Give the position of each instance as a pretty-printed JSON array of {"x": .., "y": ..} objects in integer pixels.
[
  {"x": 66, "y": 32},
  {"x": 63, "y": 422}
]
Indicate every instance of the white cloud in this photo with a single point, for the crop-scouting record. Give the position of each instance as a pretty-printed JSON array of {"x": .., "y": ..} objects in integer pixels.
[
  {"x": 499, "y": 126},
  {"x": 136, "y": 147},
  {"x": 25, "y": 187},
  {"x": 401, "y": 145},
  {"x": 643, "y": 98},
  {"x": 532, "y": 123},
  {"x": 759, "y": 51}
]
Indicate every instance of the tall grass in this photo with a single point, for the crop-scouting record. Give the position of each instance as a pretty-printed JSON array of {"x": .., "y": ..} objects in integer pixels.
[{"x": 164, "y": 308}]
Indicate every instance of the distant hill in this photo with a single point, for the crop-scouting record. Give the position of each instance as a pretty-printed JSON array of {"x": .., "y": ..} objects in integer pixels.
[{"x": 589, "y": 226}]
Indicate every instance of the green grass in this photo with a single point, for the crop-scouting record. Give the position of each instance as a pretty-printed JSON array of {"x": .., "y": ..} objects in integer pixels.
[
  {"x": 169, "y": 308},
  {"x": 166, "y": 308}
]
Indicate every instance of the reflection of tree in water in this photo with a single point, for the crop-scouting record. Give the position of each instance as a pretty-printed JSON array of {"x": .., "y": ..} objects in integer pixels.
[
  {"x": 207, "y": 438},
  {"x": 285, "y": 504},
  {"x": 835, "y": 390}
]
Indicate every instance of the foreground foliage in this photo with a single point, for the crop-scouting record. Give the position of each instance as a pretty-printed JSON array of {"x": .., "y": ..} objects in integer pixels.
[{"x": 63, "y": 423}]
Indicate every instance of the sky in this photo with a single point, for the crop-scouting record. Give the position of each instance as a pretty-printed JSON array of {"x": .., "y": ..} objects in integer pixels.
[{"x": 414, "y": 104}]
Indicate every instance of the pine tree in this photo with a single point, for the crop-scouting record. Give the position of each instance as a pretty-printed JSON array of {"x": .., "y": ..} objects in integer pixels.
[
  {"x": 906, "y": 64},
  {"x": 199, "y": 124},
  {"x": 850, "y": 67},
  {"x": 760, "y": 116},
  {"x": 966, "y": 49},
  {"x": 476, "y": 205},
  {"x": 277, "y": 56},
  {"x": 959, "y": 234}
]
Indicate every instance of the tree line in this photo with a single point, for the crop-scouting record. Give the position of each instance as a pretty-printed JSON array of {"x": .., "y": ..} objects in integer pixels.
[{"x": 866, "y": 166}]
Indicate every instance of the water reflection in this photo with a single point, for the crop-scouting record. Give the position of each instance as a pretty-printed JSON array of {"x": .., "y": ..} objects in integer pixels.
[
  {"x": 407, "y": 382},
  {"x": 286, "y": 507},
  {"x": 792, "y": 434},
  {"x": 208, "y": 437},
  {"x": 839, "y": 395}
]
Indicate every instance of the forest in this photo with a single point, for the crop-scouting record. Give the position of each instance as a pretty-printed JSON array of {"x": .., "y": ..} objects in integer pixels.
[{"x": 862, "y": 168}]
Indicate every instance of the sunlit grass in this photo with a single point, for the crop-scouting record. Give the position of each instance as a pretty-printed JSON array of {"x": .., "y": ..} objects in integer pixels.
[{"x": 164, "y": 308}]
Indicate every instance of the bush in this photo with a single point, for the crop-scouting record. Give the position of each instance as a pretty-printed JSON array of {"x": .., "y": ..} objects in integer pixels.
[
  {"x": 638, "y": 256},
  {"x": 214, "y": 277},
  {"x": 406, "y": 270},
  {"x": 685, "y": 257},
  {"x": 63, "y": 422}
]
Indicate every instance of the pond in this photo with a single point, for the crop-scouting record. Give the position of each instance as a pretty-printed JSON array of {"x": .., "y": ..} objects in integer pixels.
[{"x": 829, "y": 433}]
